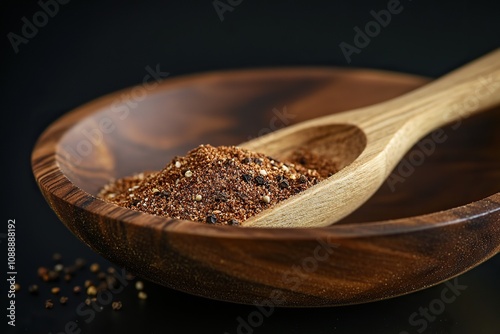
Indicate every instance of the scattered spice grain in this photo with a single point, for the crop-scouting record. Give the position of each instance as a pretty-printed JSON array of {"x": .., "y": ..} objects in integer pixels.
[
  {"x": 139, "y": 285},
  {"x": 94, "y": 268},
  {"x": 117, "y": 305},
  {"x": 33, "y": 289},
  {"x": 107, "y": 281},
  {"x": 42, "y": 271},
  {"x": 49, "y": 304},
  {"x": 91, "y": 290}
]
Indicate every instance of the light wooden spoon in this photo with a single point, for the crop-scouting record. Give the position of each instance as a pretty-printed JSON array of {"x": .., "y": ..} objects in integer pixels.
[{"x": 369, "y": 142}]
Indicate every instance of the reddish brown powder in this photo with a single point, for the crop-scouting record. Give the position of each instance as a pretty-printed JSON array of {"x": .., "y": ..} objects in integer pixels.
[
  {"x": 216, "y": 185},
  {"x": 311, "y": 160}
]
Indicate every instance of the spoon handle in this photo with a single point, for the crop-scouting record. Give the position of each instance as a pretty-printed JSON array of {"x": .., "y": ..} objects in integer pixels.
[
  {"x": 396, "y": 125},
  {"x": 453, "y": 97},
  {"x": 470, "y": 89}
]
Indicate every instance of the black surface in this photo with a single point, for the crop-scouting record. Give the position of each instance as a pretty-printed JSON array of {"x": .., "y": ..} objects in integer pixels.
[{"x": 90, "y": 48}]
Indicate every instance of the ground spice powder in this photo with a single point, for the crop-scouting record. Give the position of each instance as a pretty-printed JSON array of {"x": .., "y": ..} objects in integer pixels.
[{"x": 216, "y": 185}]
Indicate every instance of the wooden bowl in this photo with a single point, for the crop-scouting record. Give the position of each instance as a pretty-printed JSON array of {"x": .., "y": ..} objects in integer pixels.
[{"x": 438, "y": 218}]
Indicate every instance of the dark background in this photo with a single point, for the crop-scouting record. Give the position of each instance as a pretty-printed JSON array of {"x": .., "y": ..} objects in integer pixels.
[{"x": 90, "y": 48}]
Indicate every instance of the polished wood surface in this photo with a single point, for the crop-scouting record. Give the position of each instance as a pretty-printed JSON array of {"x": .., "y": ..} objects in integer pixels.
[
  {"x": 398, "y": 242},
  {"x": 367, "y": 143}
]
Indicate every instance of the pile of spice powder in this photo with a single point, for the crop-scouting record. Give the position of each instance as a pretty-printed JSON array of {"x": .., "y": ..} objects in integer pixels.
[{"x": 217, "y": 185}]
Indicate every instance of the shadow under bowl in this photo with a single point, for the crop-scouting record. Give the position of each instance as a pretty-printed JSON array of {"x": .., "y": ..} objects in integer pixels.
[{"x": 437, "y": 216}]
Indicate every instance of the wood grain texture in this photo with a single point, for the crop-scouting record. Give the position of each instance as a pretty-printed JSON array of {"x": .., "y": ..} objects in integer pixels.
[
  {"x": 388, "y": 247},
  {"x": 376, "y": 137}
]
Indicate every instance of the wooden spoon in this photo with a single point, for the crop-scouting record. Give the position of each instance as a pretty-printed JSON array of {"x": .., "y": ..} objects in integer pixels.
[{"x": 369, "y": 142}]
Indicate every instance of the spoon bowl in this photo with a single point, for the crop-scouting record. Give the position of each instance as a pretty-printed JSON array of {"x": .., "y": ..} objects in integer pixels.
[{"x": 442, "y": 221}]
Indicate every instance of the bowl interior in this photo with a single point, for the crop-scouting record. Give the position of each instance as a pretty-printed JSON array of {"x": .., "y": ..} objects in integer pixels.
[{"x": 132, "y": 133}]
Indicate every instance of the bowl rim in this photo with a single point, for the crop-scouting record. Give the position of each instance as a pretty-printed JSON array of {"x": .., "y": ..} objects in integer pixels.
[{"x": 44, "y": 162}]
